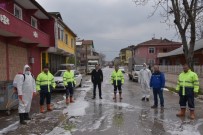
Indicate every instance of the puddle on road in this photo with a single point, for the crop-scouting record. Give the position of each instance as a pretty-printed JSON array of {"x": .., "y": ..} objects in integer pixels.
[
  {"x": 11, "y": 127},
  {"x": 59, "y": 131}
]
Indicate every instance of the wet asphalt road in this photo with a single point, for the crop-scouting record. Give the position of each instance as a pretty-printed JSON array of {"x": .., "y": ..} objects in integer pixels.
[{"x": 131, "y": 116}]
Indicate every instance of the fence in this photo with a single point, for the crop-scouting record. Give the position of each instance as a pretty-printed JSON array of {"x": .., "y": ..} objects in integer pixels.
[{"x": 178, "y": 69}]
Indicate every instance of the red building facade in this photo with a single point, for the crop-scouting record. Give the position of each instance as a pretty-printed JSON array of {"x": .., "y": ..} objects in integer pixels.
[
  {"x": 25, "y": 32},
  {"x": 147, "y": 52}
]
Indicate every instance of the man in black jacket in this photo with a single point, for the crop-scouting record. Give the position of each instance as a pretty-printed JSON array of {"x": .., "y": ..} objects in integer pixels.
[{"x": 97, "y": 79}]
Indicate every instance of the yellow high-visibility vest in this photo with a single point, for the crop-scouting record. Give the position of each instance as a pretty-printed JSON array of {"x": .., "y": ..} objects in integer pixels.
[
  {"x": 188, "y": 80},
  {"x": 44, "y": 79}
]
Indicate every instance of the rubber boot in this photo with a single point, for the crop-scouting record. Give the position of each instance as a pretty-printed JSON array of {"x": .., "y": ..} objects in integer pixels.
[
  {"x": 181, "y": 113},
  {"x": 114, "y": 96},
  {"x": 192, "y": 114},
  {"x": 67, "y": 100},
  {"x": 49, "y": 107},
  {"x": 71, "y": 100},
  {"x": 26, "y": 116},
  {"x": 41, "y": 109},
  {"x": 22, "y": 120},
  {"x": 120, "y": 95}
]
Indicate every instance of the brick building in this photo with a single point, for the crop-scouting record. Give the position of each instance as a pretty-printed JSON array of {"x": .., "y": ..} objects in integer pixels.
[
  {"x": 176, "y": 57},
  {"x": 84, "y": 50},
  {"x": 147, "y": 51},
  {"x": 24, "y": 34}
]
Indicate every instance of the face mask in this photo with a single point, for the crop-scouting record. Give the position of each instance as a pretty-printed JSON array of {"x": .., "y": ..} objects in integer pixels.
[{"x": 27, "y": 72}]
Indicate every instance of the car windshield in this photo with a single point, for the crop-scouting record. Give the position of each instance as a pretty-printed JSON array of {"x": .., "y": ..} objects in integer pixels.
[
  {"x": 138, "y": 68},
  {"x": 59, "y": 74}
]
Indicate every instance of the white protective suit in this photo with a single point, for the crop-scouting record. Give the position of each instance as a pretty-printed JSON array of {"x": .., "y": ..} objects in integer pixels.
[
  {"x": 25, "y": 87},
  {"x": 144, "y": 80}
]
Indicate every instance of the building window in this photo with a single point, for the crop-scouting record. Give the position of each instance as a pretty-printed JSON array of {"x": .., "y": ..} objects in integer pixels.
[
  {"x": 164, "y": 49},
  {"x": 72, "y": 42},
  {"x": 66, "y": 38},
  {"x": 151, "y": 50},
  {"x": 151, "y": 61},
  {"x": 18, "y": 12},
  {"x": 60, "y": 33},
  {"x": 34, "y": 22},
  {"x": 196, "y": 61}
]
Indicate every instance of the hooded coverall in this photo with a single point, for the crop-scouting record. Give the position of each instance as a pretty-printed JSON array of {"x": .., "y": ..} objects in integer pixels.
[
  {"x": 25, "y": 85},
  {"x": 144, "y": 80}
]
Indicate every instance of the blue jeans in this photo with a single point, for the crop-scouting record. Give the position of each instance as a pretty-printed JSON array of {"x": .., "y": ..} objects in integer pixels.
[{"x": 157, "y": 92}]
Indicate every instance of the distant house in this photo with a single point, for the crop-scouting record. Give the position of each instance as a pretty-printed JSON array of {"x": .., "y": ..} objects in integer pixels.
[
  {"x": 85, "y": 51},
  {"x": 64, "y": 46},
  {"x": 147, "y": 52},
  {"x": 116, "y": 60},
  {"x": 176, "y": 57},
  {"x": 124, "y": 55}
]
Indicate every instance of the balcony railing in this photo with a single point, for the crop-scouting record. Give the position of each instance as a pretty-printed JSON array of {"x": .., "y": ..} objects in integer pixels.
[{"x": 11, "y": 26}]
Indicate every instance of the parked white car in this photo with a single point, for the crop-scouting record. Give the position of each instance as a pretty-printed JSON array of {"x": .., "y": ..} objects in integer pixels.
[
  {"x": 58, "y": 78},
  {"x": 122, "y": 69},
  {"x": 136, "y": 72}
]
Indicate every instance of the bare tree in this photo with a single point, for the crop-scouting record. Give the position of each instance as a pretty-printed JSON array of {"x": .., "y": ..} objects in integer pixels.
[
  {"x": 187, "y": 16},
  {"x": 103, "y": 57}
]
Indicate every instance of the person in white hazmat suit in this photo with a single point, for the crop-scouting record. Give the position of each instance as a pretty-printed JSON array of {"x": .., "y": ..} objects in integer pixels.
[
  {"x": 26, "y": 88},
  {"x": 144, "y": 79}
]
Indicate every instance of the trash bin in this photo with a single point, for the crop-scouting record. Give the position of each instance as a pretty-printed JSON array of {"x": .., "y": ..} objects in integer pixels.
[{"x": 8, "y": 98}]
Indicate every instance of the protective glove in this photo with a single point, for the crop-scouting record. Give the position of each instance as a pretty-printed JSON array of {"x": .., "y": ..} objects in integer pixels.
[
  {"x": 20, "y": 97},
  {"x": 15, "y": 90},
  {"x": 195, "y": 94},
  {"x": 34, "y": 94}
]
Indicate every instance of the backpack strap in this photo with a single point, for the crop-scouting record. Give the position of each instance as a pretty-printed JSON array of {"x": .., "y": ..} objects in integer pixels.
[{"x": 23, "y": 77}]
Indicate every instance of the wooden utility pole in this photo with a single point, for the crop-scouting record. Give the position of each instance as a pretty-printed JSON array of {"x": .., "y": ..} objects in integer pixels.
[{"x": 86, "y": 58}]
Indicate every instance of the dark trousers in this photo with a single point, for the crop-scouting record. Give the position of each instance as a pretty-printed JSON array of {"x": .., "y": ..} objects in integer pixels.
[
  {"x": 117, "y": 87},
  {"x": 156, "y": 93},
  {"x": 44, "y": 95},
  {"x": 69, "y": 91},
  {"x": 94, "y": 89},
  {"x": 187, "y": 98}
]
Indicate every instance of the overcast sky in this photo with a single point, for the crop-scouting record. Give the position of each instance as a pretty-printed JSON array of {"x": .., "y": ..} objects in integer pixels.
[{"x": 111, "y": 24}]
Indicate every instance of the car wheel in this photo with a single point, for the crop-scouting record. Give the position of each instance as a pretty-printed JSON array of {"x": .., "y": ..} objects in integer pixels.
[{"x": 80, "y": 83}]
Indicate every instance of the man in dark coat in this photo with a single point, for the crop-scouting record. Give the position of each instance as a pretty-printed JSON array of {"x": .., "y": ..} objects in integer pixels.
[{"x": 97, "y": 79}]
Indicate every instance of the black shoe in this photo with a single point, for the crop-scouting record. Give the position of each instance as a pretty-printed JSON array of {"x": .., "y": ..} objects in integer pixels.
[
  {"x": 26, "y": 116},
  {"x": 100, "y": 97},
  {"x": 143, "y": 99},
  {"x": 147, "y": 99},
  {"x": 93, "y": 98},
  {"x": 22, "y": 120},
  {"x": 154, "y": 106}
]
